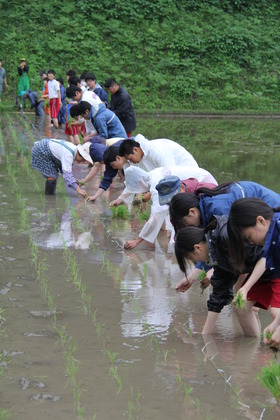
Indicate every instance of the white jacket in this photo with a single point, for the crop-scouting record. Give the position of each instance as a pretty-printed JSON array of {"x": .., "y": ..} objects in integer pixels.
[
  {"x": 163, "y": 152},
  {"x": 138, "y": 181}
]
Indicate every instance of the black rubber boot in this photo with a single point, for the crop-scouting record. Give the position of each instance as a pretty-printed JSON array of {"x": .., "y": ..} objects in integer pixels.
[{"x": 50, "y": 187}]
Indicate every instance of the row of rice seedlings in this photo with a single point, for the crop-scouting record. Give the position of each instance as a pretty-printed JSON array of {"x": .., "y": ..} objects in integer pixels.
[
  {"x": 73, "y": 269},
  {"x": 71, "y": 363},
  {"x": 227, "y": 379},
  {"x": 41, "y": 267},
  {"x": 4, "y": 414}
]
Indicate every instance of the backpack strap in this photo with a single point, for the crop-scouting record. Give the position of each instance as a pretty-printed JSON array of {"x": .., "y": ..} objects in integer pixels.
[{"x": 63, "y": 143}]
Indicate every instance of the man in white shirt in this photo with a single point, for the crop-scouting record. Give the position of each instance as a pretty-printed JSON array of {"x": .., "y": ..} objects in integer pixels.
[{"x": 151, "y": 154}]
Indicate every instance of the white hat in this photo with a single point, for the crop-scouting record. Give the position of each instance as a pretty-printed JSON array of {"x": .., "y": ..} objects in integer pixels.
[{"x": 83, "y": 149}]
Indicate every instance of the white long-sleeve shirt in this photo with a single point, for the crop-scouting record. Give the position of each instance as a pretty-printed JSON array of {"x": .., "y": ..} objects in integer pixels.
[
  {"x": 163, "y": 152},
  {"x": 66, "y": 158},
  {"x": 92, "y": 99}
]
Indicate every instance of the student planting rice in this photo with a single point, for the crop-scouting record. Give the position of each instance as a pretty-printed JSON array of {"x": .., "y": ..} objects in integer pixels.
[
  {"x": 51, "y": 157},
  {"x": 259, "y": 224},
  {"x": 140, "y": 181}
]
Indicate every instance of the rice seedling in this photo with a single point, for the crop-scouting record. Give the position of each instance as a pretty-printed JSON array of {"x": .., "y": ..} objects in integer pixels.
[
  {"x": 197, "y": 404},
  {"x": 4, "y": 414},
  {"x": 188, "y": 390},
  {"x": 239, "y": 302},
  {"x": 165, "y": 354},
  {"x": 200, "y": 278},
  {"x": 268, "y": 335},
  {"x": 114, "y": 374},
  {"x": 131, "y": 405},
  {"x": 270, "y": 378},
  {"x": 2, "y": 319},
  {"x": 179, "y": 376},
  {"x": 112, "y": 356},
  {"x": 120, "y": 212},
  {"x": 190, "y": 332}
]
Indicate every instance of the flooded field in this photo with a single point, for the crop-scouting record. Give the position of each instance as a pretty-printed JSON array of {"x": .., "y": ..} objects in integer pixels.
[{"x": 91, "y": 331}]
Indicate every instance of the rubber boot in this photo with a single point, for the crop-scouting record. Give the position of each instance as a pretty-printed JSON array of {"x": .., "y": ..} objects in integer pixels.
[{"x": 50, "y": 186}]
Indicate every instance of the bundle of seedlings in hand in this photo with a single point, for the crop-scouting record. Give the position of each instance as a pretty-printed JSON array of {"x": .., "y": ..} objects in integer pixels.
[
  {"x": 268, "y": 335},
  {"x": 270, "y": 378},
  {"x": 239, "y": 302},
  {"x": 200, "y": 278}
]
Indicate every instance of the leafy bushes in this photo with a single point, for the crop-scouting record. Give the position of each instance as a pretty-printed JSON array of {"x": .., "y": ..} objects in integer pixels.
[{"x": 207, "y": 55}]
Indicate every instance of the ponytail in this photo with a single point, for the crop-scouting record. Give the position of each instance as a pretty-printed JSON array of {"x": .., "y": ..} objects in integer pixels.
[{"x": 219, "y": 189}]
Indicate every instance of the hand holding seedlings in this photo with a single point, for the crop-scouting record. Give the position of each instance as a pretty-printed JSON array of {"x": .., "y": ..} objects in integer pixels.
[
  {"x": 271, "y": 334},
  {"x": 204, "y": 281},
  {"x": 83, "y": 193},
  {"x": 240, "y": 299},
  {"x": 81, "y": 182}
]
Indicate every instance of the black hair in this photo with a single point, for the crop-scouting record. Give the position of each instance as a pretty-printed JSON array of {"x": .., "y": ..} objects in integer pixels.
[
  {"x": 126, "y": 147},
  {"x": 90, "y": 76},
  {"x": 110, "y": 82},
  {"x": 222, "y": 188},
  {"x": 180, "y": 206},
  {"x": 46, "y": 79},
  {"x": 84, "y": 105},
  {"x": 110, "y": 154},
  {"x": 186, "y": 239},
  {"x": 75, "y": 111},
  {"x": 71, "y": 73},
  {"x": 74, "y": 80},
  {"x": 243, "y": 214},
  {"x": 71, "y": 91},
  {"x": 51, "y": 71},
  {"x": 41, "y": 72},
  {"x": 59, "y": 79}
]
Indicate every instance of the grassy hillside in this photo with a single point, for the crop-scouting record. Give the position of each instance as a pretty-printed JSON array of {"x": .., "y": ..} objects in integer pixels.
[{"x": 182, "y": 54}]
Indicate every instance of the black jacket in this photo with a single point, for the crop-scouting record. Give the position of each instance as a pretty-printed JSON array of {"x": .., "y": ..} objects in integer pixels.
[
  {"x": 122, "y": 106},
  {"x": 225, "y": 276}
]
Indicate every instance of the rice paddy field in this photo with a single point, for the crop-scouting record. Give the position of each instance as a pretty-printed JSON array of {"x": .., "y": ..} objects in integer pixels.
[{"x": 90, "y": 331}]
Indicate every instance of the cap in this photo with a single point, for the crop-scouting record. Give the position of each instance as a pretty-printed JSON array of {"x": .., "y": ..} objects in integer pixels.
[
  {"x": 83, "y": 149},
  {"x": 167, "y": 188}
]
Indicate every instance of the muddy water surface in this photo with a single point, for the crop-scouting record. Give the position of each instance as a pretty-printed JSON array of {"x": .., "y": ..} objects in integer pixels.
[{"x": 91, "y": 331}]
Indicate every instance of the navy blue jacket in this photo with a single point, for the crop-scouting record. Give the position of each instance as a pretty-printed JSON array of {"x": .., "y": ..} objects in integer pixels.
[
  {"x": 272, "y": 245},
  {"x": 225, "y": 276},
  {"x": 96, "y": 151},
  {"x": 107, "y": 124},
  {"x": 221, "y": 204}
]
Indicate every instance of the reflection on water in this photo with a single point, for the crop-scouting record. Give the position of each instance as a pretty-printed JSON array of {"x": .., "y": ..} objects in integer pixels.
[{"x": 167, "y": 369}]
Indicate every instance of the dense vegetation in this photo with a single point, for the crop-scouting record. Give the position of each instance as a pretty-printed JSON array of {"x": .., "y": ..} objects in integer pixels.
[{"x": 172, "y": 55}]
